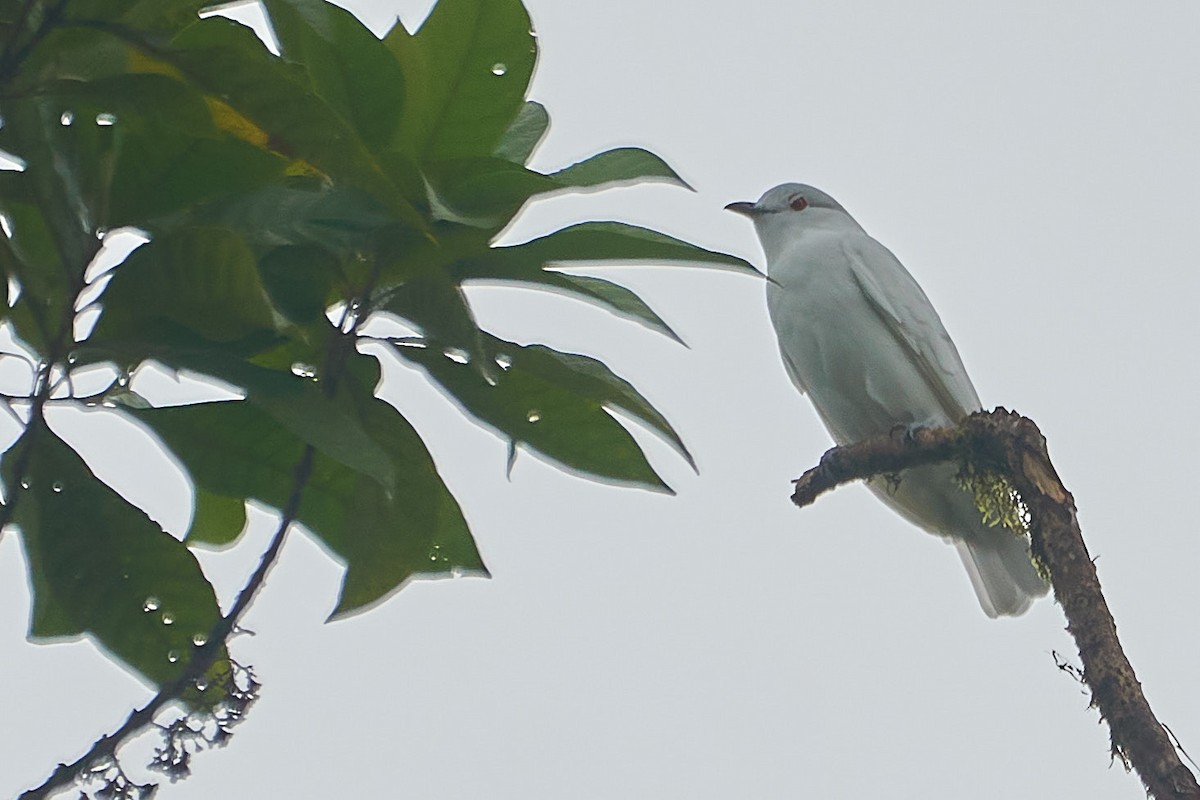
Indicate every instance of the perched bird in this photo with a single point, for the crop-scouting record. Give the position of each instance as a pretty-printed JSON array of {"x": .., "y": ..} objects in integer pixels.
[{"x": 861, "y": 339}]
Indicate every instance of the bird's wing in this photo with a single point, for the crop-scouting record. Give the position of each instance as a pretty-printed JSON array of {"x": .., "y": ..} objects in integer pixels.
[{"x": 908, "y": 315}]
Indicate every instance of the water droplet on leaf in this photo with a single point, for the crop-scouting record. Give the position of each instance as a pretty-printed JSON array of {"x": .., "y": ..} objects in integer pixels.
[
  {"x": 503, "y": 361},
  {"x": 56, "y": 487},
  {"x": 199, "y": 640},
  {"x": 168, "y": 618},
  {"x": 151, "y": 604},
  {"x": 104, "y": 119},
  {"x": 457, "y": 355},
  {"x": 172, "y": 656},
  {"x": 307, "y": 371},
  {"x": 534, "y": 415},
  {"x": 499, "y": 68},
  {"x": 67, "y": 118}
]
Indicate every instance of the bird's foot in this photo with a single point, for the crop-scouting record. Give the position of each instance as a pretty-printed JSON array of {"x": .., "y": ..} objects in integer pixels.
[{"x": 906, "y": 431}]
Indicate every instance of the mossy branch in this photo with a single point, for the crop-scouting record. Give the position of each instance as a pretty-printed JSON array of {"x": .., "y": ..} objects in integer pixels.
[{"x": 1003, "y": 443}]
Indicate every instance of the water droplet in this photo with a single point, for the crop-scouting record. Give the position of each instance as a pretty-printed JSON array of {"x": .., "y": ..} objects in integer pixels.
[
  {"x": 534, "y": 415},
  {"x": 433, "y": 556},
  {"x": 306, "y": 371},
  {"x": 199, "y": 640},
  {"x": 122, "y": 380},
  {"x": 56, "y": 487},
  {"x": 457, "y": 355},
  {"x": 499, "y": 68},
  {"x": 104, "y": 119},
  {"x": 67, "y": 118},
  {"x": 201, "y": 684},
  {"x": 172, "y": 656},
  {"x": 24, "y": 483},
  {"x": 168, "y": 618},
  {"x": 101, "y": 232},
  {"x": 72, "y": 357},
  {"x": 503, "y": 361},
  {"x": 151, "y": 604}
]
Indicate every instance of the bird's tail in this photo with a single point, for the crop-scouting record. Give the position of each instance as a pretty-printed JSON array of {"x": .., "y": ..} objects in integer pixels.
[{"x": 1001, "y": 572}]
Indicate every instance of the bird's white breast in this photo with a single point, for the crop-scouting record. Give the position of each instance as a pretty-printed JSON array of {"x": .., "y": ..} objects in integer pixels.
[{"x": 860, "y": 378}]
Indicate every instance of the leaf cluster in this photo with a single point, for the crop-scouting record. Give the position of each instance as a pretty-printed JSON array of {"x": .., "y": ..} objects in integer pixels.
[{"x": 285, "y": 200}]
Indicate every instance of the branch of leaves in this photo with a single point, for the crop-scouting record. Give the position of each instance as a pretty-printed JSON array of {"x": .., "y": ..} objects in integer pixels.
[{"x": 560, "y": 405}]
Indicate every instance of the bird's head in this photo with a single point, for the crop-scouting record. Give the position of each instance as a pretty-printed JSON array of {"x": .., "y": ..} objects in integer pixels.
[{"x": 784, "y": 212}]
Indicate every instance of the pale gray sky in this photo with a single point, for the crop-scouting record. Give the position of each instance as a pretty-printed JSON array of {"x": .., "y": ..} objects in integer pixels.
[{"x": 1035, "y": 167}]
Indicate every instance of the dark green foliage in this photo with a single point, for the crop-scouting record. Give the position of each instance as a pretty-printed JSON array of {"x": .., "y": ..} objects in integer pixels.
[{"x": 348, "y": 177}]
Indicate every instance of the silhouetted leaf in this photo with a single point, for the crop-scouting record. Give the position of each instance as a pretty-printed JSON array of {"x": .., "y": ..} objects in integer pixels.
[
  {"x": 560, "y": 417},
  {"x": 592, "y": 378},
  {"x": 298, "y": 279},
  {"x": 524, "y": 134},
  {"x": 385, "y": 537},
  {"x": 467, "y": 70},
  {"x": 620, "y": 166},
  {"x": 204, "y": 280},
  {"x": 100, "y": 566},
  {"x": 217, "y": 521},
  {"x": 227, "y": 60},
  {"x": 348, "y": 66}
]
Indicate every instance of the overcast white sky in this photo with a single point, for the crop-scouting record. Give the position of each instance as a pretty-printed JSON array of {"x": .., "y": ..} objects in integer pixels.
[{"x": 1035, "y": 166}]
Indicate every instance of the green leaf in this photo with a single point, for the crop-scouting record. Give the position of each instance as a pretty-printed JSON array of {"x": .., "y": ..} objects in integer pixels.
[
  {"x": 144, "y": 146},
  {"x": 168, "y": 155},
  {"x": 488, "y": 192},
  {"x": 299, "y": 211},
  {"x": 438, "y": 308},
  {"x": 227, "y": 60},
  {"x": 561, "y": 416},
  {"x": 155, "y": 15},
  {"x": 297, "y": 401},
  {"x": 467, "y": 71},
  {"x": 531, "y": 263},
  {"x": 348, "y": 66},
  {"x": 217, "y": 520},
  {"x": 204, "y": 280},
  {"x": 592, "y": 378},
  {"x": 524, "y": 134},
  {"x": 622, "y": 165},
  {"x": 299, "y": 279},
  {"x": 64, "y": 177},
  {"x": 482, "y": 192},
  {"x": 608, "y": 295},
  {"x": 385, "y": 537},
  {"x": 598, "y": 241},
  {"x": 70, "y": 52},
  {"x": 31, "y": 256},
  {"x": 98, "y": 563}
]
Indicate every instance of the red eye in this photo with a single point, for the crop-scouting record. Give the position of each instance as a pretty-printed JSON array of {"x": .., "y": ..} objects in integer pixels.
[{"x": 798, "y": 203}]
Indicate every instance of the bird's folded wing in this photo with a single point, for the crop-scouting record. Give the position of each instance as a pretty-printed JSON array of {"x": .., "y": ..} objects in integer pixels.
[{"x": 908, "y": 315}]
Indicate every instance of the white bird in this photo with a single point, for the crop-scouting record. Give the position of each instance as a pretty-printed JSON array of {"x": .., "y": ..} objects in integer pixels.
[{"x": 862, "y": 340}]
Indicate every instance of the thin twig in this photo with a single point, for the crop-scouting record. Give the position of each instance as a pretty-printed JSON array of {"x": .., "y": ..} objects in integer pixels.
[{"x": 202, "y": 657}]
